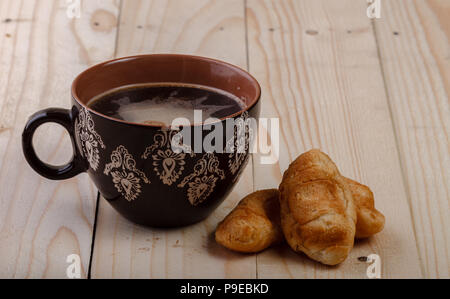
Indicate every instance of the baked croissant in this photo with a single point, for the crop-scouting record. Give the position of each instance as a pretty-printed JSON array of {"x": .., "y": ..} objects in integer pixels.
[
  {"x": 369, "y": 220},
  {"x": 318, "y": 216},
  {"x": 253, "y": 225}
]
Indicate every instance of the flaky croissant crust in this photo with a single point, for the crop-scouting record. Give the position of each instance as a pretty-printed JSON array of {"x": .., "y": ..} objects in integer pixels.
[
  {"x": 369, "y": 220},
  {"x": 316, "y": 210},
  {"x": 253, "y": 225},
  {"x": 318, "y": 216}
]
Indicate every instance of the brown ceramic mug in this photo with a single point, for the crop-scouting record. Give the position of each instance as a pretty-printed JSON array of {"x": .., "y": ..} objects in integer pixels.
[{"x": 124, "y": 159}]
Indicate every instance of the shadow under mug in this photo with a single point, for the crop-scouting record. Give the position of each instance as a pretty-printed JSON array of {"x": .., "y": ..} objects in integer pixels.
[{"x": 132, "y": 164}]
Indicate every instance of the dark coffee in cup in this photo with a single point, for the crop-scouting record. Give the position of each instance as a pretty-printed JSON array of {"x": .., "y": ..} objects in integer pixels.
[{"x": 161, "y": 103}]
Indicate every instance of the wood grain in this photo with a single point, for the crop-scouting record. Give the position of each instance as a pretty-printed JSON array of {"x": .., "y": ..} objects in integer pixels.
[
  {"x": 373, "y": 94},
  {"x": 413, "y": 37},
  {"x": 320, "y": 72},
  {"x": 41, "y": 51},
  {"x": 124, "y": 250}
]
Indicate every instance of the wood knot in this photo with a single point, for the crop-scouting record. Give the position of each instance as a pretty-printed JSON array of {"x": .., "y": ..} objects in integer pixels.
[
  {"x": 103, "y": 21},
  {"x": 312, "y": 32},
  {"x": 3, "y": 129},
  {"x": 363, "y": 259}
]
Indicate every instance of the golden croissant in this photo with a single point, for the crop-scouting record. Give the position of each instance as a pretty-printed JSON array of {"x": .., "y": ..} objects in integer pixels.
[
  {"x": 318, "y": 215},
  {"x": 313, "y": 191},
  {"x": 369, "y": 220},
  {"x": 253, "y": 225}
]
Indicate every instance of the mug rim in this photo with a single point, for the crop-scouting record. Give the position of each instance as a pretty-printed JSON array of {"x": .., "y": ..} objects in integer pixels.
[{"x": 254, "y": 101}]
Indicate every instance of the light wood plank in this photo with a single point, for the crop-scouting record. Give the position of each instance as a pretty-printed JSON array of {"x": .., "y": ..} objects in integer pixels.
[
  {"x": 319, "y": 67},
  {"x": 413, "y": 37},
  {"x": 124, "y": 250},
  {"x": 41, "y": 51}
]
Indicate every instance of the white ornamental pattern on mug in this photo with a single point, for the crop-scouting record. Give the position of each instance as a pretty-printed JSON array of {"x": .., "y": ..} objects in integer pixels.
[
  {"x": 202, "y": 181},
  {"x": 126, "y": 177},
  {"x": 239, "y": 145},
  {"x": 168, "y": 164},
  {"x": 89, "y": 138}
]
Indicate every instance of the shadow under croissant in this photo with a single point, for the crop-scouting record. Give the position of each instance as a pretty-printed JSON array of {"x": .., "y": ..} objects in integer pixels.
[
  {"x": 291, "y": 258},
  {"x": 217, "y": 250}
]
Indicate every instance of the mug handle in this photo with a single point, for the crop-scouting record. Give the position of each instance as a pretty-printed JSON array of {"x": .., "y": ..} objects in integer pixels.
[{"x": 63, "y": 117}]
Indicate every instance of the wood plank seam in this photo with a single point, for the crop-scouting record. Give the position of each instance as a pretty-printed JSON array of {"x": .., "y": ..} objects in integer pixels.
[
  {"x": 246, "y": 37},
  {"x": 97, "y": 207},
  {"x": 435, "y": 95},
  {"x": 413, "y": 60},
  {"x": 94, "y": 230},
  {"x": 172, "y": 27},
  {"x": 46, "y": 221},
  {"x": 397, "y": 144},
  {"x": 248, "y": 69},
  {"x": 341, "y": 66},
  {"x": 119, "y": 20},
  {"x": 413, "y": 41}
]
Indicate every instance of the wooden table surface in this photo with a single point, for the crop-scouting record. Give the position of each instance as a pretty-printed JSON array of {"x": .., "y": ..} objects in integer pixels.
[{"x": 373, "y": 93}]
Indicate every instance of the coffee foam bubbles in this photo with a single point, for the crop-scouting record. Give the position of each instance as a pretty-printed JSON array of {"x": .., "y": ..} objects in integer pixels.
[{"x": 161, "y": 109}]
